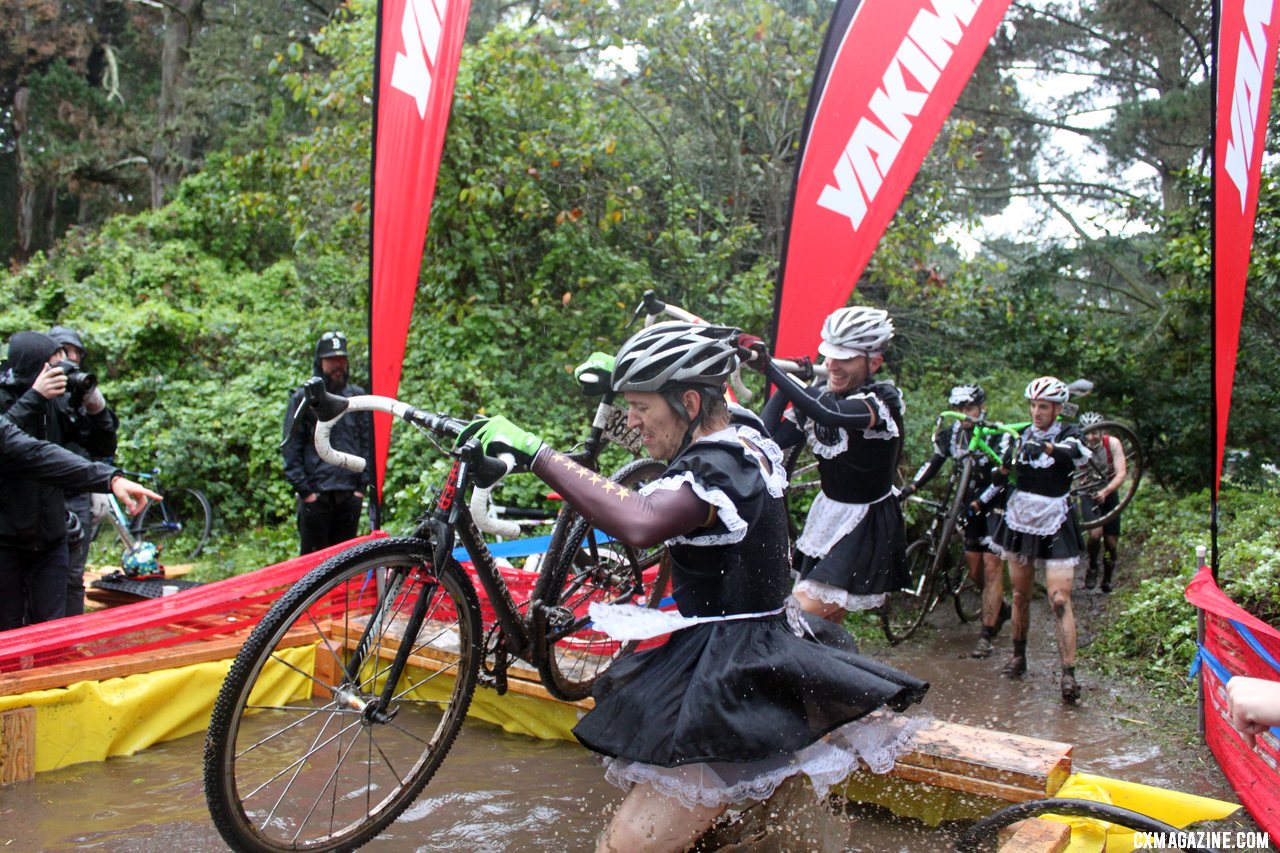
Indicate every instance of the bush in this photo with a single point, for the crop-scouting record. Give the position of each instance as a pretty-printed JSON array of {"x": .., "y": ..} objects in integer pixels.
[{"x": 1150, "y": 630}]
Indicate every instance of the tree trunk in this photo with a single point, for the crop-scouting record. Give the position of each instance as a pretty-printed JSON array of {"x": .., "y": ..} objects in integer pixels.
[
  {"x": 29, "y": 203},
  {"x": 174, "y": 147}
]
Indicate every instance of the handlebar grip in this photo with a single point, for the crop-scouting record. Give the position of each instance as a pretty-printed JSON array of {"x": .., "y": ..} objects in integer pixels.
[
  {"x": 480, "y": 499},
  {"x": 352, "y": 463}
]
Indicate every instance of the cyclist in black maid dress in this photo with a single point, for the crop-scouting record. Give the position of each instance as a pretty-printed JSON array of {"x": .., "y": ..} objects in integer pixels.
[
  {"x": 1038, "y": 527},
  {"x": 852, "y": 551},
  {"x": 747, "y": 691},
  {"x": 985, "y": 566}
]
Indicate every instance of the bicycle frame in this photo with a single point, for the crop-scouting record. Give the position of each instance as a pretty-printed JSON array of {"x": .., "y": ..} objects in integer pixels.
[{"x": 981, "y": 430}]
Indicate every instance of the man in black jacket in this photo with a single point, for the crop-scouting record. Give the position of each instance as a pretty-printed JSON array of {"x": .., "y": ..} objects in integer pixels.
[
  {"x": 33, "y": 513},
  {"x": 89, "y": 429},
  {"x": 30, "y": 459},
  {"x": 329, "y": 497}
]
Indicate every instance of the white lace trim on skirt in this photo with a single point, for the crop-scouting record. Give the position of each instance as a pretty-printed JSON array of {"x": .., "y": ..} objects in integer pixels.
[
  {"x": 829, "y": 521},
  {"x": 1041, "y": 515},
  {"x": 828, "y": 594},
  {"x": 876, "y": 740}
]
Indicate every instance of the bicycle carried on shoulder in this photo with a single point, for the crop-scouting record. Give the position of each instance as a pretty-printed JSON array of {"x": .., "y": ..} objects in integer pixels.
[
  {"x": 348, "y": 695},
  {"x": 178, "y": 526},
  {"x": 935, "y": 562}
]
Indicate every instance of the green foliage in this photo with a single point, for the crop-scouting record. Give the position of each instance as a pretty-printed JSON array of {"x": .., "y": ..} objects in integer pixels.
[{"x": 1150, "y": 629}]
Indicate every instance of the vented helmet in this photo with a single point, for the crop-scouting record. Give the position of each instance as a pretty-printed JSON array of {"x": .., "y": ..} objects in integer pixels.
[
  {"x": 675, "y": 353},
  {"x": 1047, "y": 388},
  {"x": 1089, "y": 419},
  {"x": 967, "y": 395},
  {"x": 855, "y": 331}
]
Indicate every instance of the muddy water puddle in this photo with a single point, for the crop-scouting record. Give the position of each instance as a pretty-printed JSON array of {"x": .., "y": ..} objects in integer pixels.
[{"x": 501, "y": 792}]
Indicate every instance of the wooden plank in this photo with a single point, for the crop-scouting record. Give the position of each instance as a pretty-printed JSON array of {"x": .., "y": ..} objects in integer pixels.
[
  {"x": 521, "y": 678},
  {"x": 966, "y": 781},
  {"x": 17, "y": 745},
  {"x": 1035, "y": 836},
  {"x": 999, "y": 757},
  {"x": 119, "y": 666}
]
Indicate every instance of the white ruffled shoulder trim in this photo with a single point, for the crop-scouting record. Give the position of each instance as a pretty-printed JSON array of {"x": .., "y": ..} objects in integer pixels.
[
  {"x": 726, "y": 512},
  {"x": 768, "y": 456}
]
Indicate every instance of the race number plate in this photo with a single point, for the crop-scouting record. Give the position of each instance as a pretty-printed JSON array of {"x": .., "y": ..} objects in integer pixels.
[{"x": 613, "y": 421}]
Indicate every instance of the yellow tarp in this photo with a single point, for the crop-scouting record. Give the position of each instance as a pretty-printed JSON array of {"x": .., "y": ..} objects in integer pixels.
[
  {"x": 95, "y": 720},
  {"x": 1089, "y": 835}
]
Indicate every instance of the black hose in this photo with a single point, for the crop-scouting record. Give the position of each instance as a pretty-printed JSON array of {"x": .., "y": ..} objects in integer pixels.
[{"x": 975, "y": 837}]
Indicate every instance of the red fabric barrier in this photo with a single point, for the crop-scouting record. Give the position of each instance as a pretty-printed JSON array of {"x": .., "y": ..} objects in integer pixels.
[
  {"x": 219, "y": 609},
  {"x": 201, "y": 613},
  {"x": 1252, "y": 772}
]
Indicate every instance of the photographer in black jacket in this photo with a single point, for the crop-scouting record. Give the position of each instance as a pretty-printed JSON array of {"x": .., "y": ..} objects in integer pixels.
[
  {"x": 89, "y": 429},
  {"x": 329, "y": 497},
  {"x": 30, "y": 459},
  {"x": 33, "y": 515}
]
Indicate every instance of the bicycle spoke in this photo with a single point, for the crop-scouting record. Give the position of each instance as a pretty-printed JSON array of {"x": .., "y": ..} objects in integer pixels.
[{"x": 323, "y": 758}]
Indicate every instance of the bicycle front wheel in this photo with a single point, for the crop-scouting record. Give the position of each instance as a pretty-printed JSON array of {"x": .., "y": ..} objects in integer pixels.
[
  {"x": 1108, "y": 442},
  {"x": 904, "y": 609},
  {"x": 303, "y": 751},
  {"x": 966, "y": 594},
  {"x": 588, "y": 568},
  {"x": 179, "y": 525}
]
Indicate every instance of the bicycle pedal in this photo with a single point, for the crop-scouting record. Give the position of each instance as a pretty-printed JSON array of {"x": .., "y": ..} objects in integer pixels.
[{"x": 495, "y": 681}]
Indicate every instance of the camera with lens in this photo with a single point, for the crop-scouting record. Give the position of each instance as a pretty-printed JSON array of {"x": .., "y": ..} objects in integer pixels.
[{"x": 79, "y": 382}]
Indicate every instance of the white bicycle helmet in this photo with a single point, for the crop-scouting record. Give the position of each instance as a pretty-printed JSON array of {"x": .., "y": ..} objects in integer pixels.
[
  {"x": 1047, "y": 388},
  {"x": 675, "y": 353},
  {"x": 855, "y": 331},
  {"x": 967, "y": 395},
  {"x": 1089, "y": 419}
]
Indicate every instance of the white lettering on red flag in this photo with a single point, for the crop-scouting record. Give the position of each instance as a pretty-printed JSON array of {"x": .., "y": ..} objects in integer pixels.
[
  {"x": 420, "y": 27},
  {"x": 874, "y": 146},
  {"x": 1245, "y": 97}
]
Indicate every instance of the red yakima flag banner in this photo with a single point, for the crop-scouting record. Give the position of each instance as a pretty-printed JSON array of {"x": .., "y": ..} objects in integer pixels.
[
  {"x": 888, "y": 75},
  {"x": 419, "y": 43},
  {"x": 1246, "y": 67}
]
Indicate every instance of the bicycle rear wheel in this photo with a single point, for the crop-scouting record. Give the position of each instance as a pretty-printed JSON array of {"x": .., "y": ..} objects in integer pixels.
[
  {"x": 585, "y": 566},
  {"x": 1100, "y": 469},
  {"x": 301, "y": 754},
  {"x": 179, "y": 525},
  {"x": 904, "y": 609},
  {"x": 803, "y": 483}
]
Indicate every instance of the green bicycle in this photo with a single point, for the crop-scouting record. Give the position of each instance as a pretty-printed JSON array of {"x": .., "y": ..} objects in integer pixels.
[{"x": 935, "y": 562}]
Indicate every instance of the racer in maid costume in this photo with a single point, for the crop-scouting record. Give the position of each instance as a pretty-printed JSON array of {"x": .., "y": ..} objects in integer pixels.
[
  {"x": 747, "y": 691},
  {"x": 1038, "y": 527},
  {"x": 852, "y": 551}
]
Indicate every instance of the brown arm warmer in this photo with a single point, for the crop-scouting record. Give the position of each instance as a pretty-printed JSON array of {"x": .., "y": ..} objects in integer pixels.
[{"x": 637, "y": 520}]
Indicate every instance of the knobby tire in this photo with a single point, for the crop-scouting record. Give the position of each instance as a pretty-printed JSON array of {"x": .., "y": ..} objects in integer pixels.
[
  {"x": 291, "y": 760},
  {"x": 965, "y": 594},
  {"x": 904, "y": 609},
  {"x": 1096, "y": 472},
  {"x": 179, "y": 525},
  {"x": 581, "y": 568}
]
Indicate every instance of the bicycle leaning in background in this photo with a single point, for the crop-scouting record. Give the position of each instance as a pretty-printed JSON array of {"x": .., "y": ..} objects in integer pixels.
[
  {"x": 935, "y": 562},
  {"x": 175, "y": 530}
]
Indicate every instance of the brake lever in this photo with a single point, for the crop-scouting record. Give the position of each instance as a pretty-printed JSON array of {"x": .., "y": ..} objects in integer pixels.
[{"x": 649, "y": 304}]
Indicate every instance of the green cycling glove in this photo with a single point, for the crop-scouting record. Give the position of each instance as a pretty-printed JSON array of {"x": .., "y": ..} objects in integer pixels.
[
  {"x": 498, "y": 435},
  {"x": 595, "y": 373}
]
